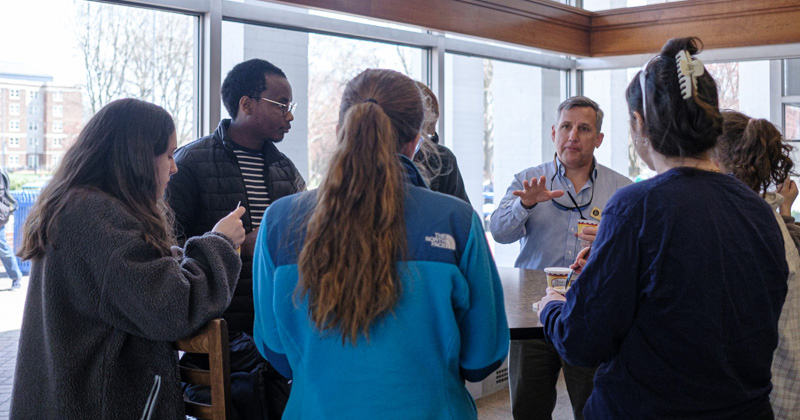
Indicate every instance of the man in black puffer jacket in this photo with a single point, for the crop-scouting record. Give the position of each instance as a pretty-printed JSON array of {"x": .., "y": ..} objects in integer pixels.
[{"x": 238, "y": 164}]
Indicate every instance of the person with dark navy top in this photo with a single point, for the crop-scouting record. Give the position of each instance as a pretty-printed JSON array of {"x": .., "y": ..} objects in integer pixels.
[
  {"x": 679, "y": 300},
  {"x": 377, "y": 296}
]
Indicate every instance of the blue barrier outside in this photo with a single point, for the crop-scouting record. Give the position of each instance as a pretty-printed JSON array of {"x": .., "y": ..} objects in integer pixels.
[{"x": 25, "y": 200}]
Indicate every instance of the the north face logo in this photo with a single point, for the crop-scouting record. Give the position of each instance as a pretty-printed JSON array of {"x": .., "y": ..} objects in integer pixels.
[{"x": 442, "y": 240}]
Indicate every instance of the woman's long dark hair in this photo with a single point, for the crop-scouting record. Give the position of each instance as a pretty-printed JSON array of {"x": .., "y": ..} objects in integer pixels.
[
  {"x": 753, "y": 150},
  {"x": 356, "y": 235},
  {"x": 676, "y": 127},
  {"x": 115, "y": 153}
]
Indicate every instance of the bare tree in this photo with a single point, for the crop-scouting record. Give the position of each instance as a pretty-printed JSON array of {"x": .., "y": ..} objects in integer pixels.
[
  {"x": 333, "y": 61},
  {"x": 139, "y": 53},
  {"x": 636, "y": 165},
  {"x": 727, "y": 77},
  {"x": 488, "y": 120},
  {"x": 106, "y": 52},
  {"x": 792, "y": 118}
]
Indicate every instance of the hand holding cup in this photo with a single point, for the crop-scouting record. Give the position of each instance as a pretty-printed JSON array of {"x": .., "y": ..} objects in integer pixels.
[
  {"x": 551, "y": 296},
  {"x": 587, "y": 231},
  {"x": 588, "y": 234}
]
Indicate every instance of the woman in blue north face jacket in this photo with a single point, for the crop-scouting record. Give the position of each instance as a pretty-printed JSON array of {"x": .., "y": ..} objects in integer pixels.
[{"x": 375, "y": 294}]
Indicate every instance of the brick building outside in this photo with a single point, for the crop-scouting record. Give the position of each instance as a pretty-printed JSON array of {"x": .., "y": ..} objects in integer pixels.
[{"x": 38, "y": 119}]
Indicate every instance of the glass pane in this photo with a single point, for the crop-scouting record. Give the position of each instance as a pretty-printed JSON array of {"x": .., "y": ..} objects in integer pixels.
[
  {"x": 333, "y": 61},
  {"x": 91, "y": 53},
  {"x": 791, "y": 121},
  {"x": 317, "y": 67},
  {"x": 727, "y": 77},
  {"x": 607, "y": 88},
  {"x": 497, "y": 123},
  {"x": 791, "y": 77},
  {"x": 595, "y": 5},
  {"x": 740, "y": 86},
  {"x": 791, "y": 132}
]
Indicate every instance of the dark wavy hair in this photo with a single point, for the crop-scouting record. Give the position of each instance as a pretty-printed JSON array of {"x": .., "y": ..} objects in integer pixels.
[
  {"x": 675, "y": 126},
  {"x": 246, "y": 79},
  {"x": 115, "y": 153},
  {"x": 754, "y": 151}
]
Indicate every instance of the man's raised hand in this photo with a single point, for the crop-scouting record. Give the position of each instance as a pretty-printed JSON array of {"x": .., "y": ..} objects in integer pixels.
[{"x": 535, "y": 192}]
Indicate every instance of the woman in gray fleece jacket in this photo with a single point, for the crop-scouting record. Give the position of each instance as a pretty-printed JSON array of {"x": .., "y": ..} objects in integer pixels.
[{"x": 108, "y": 291}]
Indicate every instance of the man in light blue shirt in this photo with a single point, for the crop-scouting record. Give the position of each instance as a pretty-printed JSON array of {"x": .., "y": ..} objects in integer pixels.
[{"x": 541, "y": 209}]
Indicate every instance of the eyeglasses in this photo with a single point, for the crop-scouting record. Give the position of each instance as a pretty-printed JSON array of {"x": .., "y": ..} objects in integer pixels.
[{"x": 284, "y": 107}]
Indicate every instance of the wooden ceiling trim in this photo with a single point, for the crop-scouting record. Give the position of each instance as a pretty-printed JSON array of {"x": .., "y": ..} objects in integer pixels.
[
  {"x": 687, "y": 12},
  {"x": 542, "y": 24},
  {"x": 554, "y": 13},
  {"x": 552, "y": 26},
  {"x": 719, "y": 23}
]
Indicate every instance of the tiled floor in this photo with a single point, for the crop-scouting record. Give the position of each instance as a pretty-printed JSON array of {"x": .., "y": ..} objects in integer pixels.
[
  {"x": 11, "y": 304},
  {"x": 8, "y": 359},
  {"x": 497, "y": 406}
]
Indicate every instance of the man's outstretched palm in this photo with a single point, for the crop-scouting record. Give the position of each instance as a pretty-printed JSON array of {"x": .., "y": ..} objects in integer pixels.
[{"x": 536, "y": 191}]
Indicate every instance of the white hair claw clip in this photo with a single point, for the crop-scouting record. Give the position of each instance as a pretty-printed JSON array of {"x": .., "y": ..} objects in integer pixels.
[{"x": 688, "y": 69}]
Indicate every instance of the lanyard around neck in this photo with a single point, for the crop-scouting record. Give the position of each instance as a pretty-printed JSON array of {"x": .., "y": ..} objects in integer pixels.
[{"x": 576, "y": 207}]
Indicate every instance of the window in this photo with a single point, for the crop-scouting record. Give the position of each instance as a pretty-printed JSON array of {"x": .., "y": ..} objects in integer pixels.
[
  {"x": 13, "y": 125},
  {"x": 14, "y": 94},
  {"x": 34, "y": 110},
  {"x": 318, "y": 67},
  {"x": 93, "y": 38},
  {"x": 58, "y": 126},
  {"x": 791, "y": 69},
  {"x": 57, "y": 142},
  {"x": 13, "y": 109},
  {"x": 33, "y": 161},
  {"x": 13, "y": 141},
  {"x": 157, "y": 42},
  {"x": 33, "y": 125},
  {"x": 791, "y": 120},
  {"x": 13, "y": 160},
  {"x": 596, "y": 5},
  {"x": 33, "y": 141},
  {"x": 741, "y": 86},
  {"x": 56, "y": 160},
  {"x": 498, "y": 126}
]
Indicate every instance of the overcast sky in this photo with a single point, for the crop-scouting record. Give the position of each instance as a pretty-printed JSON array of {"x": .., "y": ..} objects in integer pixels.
[{"x": 39, "y": 33}]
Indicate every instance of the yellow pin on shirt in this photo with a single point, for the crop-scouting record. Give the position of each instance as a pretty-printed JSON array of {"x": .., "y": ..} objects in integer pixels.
[{"x": 596, "y": 213}]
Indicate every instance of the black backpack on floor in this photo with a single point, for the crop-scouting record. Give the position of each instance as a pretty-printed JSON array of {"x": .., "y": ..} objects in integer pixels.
[{"x": 258, "y": 391}]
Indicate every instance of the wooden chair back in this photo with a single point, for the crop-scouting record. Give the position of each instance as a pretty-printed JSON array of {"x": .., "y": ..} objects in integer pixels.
[{"x": 213, "y": 341}]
